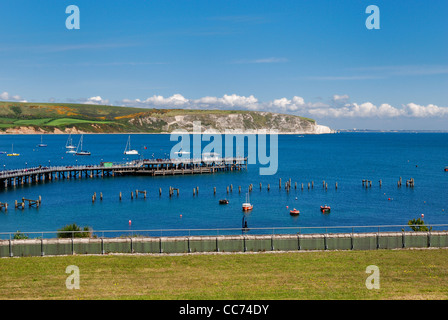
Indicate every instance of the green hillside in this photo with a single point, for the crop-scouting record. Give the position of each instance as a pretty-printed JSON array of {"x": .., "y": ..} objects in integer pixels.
[{"x": 51, "y": 117}]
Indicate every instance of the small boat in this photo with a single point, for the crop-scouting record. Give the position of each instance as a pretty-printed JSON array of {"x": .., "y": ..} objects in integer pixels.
[
  {"x": 69, "y": 145},
  {"x": 446, "y": 169},
  {"x": 294, "y": 212},
  {"x": 81, "y": 152},
  {"x": 128, "y": 150},
  {"x": 13, "y": 154},
  {"x": 41, "y": 144},
  {"x": 325, "y": 209},
  {"x": 247, "y": 206},
  {"x": 223, "y": 201}
]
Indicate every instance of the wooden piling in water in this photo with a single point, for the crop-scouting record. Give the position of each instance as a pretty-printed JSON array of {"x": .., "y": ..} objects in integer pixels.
[
  {"x": 19, "y": 204},
  {"x": 5, "y": 205}
]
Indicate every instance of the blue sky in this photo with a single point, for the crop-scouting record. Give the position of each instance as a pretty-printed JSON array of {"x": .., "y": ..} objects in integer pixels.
[{"x": 311, "y": 58}]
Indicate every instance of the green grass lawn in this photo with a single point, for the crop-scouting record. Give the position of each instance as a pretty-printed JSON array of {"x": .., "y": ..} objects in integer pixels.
[
  {"x": 71, "y": 121},
  {"x": 404, "y": 274}
]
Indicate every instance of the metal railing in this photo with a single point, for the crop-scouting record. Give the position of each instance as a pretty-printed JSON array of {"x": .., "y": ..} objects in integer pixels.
[
  {"x": 11, "y": 173},
  {"x": 223, "y": 231}
]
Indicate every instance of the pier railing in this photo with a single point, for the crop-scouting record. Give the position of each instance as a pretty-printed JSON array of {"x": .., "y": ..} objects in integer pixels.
[{"x": 10, "y": 173}]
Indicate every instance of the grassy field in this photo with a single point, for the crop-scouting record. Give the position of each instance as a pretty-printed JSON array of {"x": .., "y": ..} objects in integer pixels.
[{"x": 404, "y": 274}]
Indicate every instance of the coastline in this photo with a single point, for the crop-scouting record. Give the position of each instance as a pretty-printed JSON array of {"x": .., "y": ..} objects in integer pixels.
[{"x": 33, "y": 131}]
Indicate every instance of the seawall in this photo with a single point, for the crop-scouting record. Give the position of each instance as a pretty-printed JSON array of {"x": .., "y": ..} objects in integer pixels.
[{"x": 237, "y": 243}]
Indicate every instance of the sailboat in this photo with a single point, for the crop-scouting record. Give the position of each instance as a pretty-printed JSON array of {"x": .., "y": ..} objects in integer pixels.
[
  {"x": 128, "y": 150},
  {"x": 247, "y": 206},
  {"x": 12, "y": 154},
  {"x": 69, "y": 145},
  {"x": 41, "y": 144},
  {"x": 79, "y": 151}
]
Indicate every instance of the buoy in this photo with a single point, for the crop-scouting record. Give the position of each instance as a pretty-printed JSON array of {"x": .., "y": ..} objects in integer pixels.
[
  {"x": 130, "y": 222},
  {"x": 388, "y": 199},
  {"x": 287, "y": 207},
  {"x": 296, "y": 198},
  {"x": 180, "y": 216},
  {"x": 423, "y": 215}
]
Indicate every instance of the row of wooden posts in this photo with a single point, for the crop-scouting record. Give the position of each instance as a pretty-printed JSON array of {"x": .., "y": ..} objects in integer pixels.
[
  {"x": 229, "y": 189},
  {"x": 17, "y": 204},
  {"x": 368, "y": 183}
]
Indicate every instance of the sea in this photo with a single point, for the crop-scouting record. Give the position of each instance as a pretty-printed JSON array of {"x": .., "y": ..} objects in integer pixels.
[{"x": 345, "y": 159}]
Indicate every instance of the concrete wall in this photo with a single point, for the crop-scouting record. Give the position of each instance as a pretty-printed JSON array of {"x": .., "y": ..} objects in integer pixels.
[{"x": 239, "y": 243}]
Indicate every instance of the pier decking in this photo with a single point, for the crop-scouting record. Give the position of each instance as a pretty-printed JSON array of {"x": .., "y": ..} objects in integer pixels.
[{"x": 150, "y": 167}]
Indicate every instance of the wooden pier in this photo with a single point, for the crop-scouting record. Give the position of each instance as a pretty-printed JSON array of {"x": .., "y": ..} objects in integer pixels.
[{"x": 153, "y": 167}]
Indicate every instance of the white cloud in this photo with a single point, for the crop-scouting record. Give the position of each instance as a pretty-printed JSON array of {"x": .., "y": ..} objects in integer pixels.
[
  {"x": 336, "y": 108},
  {"x": 418, "y": 111},
  {"x": 369, "y": 110},
  {"x": 6, "y": 96},
  {"x": 178, "y": 101},
  {"x": 264, "y": 60},
  {"x": 95, "y": 100},
  {"x": 340, "y": 98}
]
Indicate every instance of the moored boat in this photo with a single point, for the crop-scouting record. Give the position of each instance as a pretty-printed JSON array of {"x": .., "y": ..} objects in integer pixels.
[
  {"x": 247, "y": 206},
  {"x": 223, "y": 201},
  {"x": 325, "y": 209},
  {"x": 13, "y": 154},
  {"x": 294, "y": 212},
  {"x": 128, "y": 149},
  {"x": 41, "y": 144},
  {"x": 81, "y": 152}
]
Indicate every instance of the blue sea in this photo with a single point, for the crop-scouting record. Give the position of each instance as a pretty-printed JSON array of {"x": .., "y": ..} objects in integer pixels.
[{"x": 342, "y": 158}]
